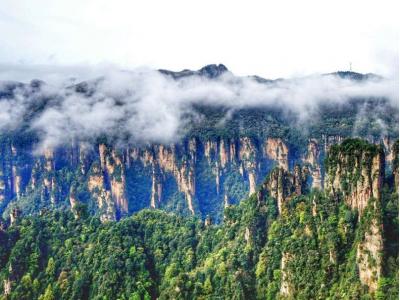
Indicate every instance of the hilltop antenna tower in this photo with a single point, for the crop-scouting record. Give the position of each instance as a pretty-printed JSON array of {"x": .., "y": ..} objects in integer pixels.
[{"x": 350, "y": 66}]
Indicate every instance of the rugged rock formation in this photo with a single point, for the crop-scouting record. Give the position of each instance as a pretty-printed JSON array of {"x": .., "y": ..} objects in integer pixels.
[
  {"x": 7, "y": 287},
  {"x": 286, "y": 289},
  {"x": 11, "y": 184},
  {"x": 96, "y": 186},
  {"x": 167, "y": 174},
  {"x": 14, "y": 215},
  {"x": 108, "y": 183},
  {"x": 164, "y": 160},
  {"x": 247, "y": 155},
  {"x": 312, "y": 159},
  {"x": 369, "y": 256},
  {"x": 282, "y": 185},
  {"x": 247, "y": 235},
  {"x": 356, "y": 175},
  {"x": 332, "y": 256},
  {"x": 73, "y": 202},
  {"x": 355, "y": 171},
  {"x": 210, "y": 150},
  {"x": 156, "y": 188},
  {"x": 277, "y": 150},
  {"x": 388, "y": 145},
  {"x": 208, "y": 221}
]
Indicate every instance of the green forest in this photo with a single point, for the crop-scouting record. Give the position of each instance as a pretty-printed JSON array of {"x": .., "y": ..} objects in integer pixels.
[{"x": 308, "y": 250}]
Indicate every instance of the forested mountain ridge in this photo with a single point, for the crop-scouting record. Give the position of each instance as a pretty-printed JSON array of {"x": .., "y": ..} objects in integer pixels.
[
  {"x": 285, "y": 241},
  {"x": 219, "y": 152},
  {"x": 224, "y": 187}
]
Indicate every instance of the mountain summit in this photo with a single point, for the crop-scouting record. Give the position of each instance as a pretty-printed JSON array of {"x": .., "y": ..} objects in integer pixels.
[{"x": 209, "y": 71}]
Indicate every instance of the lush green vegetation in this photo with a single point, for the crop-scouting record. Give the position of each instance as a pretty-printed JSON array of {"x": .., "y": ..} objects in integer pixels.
[
  {"x": 156, "y": 254},
  {"x": 159, "y": 254}
]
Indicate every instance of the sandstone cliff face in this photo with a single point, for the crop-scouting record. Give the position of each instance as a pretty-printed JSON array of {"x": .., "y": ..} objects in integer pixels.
[
  {"x": 7, "y": 287},
  {"x": 83, "y": 158},
  {"x": 14, "y": 215},
  {"x": 72, "y": 200},
  {"x": 210, "y": 150},
  {"x": 235, "y": 165},
  {"x": 247, "y": 155},
  {"x": 42, "y": 176},
  {"x": 282, "y": 185},
  {"x": 16, "y": 177},
  {"x": 369, "y": 256},
  {"x": 156, "y": 188},
  {"x": 107, "y": 183},
  {"x": 277, "y": 150},
  {"x": 312, "y": 159},
  {"x": 163, "y": 160},
  {"x": 96, "y": 186},
  {"x": 356, "y": 177},
  {"x": 388, "y": 145},
  {"x": 221, "y": 156},
  {"x": 115, "y": 172},
  {"x": 286, "y": 288},
  {"x": 11, "y": 185},
  {"x": 180, "y": 161}
]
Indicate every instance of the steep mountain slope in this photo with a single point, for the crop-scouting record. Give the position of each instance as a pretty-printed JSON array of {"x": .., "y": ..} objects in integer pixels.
[
  {"x": 218, "y": 157},
  {"x": 283, "y": 242}
]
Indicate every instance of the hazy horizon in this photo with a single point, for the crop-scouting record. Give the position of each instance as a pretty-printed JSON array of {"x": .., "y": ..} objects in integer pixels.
[{"x": 272, "y": 40}]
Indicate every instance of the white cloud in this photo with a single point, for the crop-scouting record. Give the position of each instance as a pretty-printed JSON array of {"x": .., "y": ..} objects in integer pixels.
[{"x": 150, "y": 107}]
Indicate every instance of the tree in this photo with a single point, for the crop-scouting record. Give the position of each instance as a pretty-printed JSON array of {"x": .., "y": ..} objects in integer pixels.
[
  {"x": 51, "y": 268},
  {"x": 48, "y": 294}
]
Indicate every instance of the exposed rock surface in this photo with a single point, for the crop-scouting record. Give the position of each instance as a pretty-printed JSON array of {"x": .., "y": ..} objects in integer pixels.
[
  {"x": 286, "y": 289},
  {"x": 163, "y": 160},
  {"x": 7, "y": 287},
  {"x": 97, "y": 187},
  {"x": 356, "y": 175},
  {"x": 312, "y": 159},
  {"x": 282, "y": 185},
  {"x": 369, "y": 256},
  {"x": 14, "y": 215},
  {"x": 169, "y": 175},
  {"x": 247, "y": 155},
  {"x": 277, "y": 150}
]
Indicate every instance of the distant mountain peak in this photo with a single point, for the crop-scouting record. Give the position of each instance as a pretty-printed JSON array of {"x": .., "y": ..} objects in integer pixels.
[
  {"x": 209, "y": 71},
  {"x": 213, "y": 70},
  {"x": 354, "y": 75}
]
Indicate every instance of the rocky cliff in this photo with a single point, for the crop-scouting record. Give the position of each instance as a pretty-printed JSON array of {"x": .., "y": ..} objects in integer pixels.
[
  {"x": 286, "y": 240},
  {"x": 312, "y": 160},
  {"x": 369, "y": 255},
  {"x": 194, "y": 176},
  {"x": 355, "y": 174},
  {"x": 161, "y": 175},
  {"x": 282, "y": 185}
]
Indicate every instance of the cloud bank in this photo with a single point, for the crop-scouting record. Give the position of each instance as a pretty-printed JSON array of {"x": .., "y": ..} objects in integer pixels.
[{"x": 145, "y": 105}]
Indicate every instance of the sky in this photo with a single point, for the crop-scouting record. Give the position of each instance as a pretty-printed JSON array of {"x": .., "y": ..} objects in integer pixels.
[{"x": 269, "y": 38}]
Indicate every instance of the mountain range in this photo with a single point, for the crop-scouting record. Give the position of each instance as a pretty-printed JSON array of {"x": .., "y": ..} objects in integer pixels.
[{"x": 290, "y": 195}]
